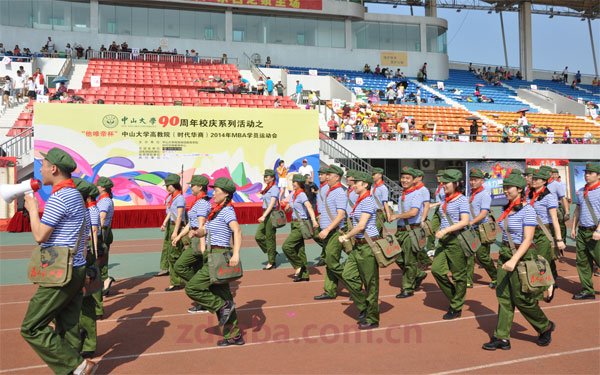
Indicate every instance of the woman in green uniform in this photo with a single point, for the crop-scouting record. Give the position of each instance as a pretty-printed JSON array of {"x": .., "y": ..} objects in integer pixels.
[
  {"x": 265, "y": 233},
  {"x": 172, "y": 225},
  {"x": 106, "y": 207}
]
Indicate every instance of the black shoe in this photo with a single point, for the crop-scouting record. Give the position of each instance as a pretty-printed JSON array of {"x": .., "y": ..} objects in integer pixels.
[
  {"x": 582, "y": 295},
  {"x": 362, "y": 316},
  {"x": 298, "y": 278},
  {"x": 546, "y": 337},
  {"x": 323, "y": 296},
  {"x": 451, "y": 314},
  {"x": 238, "y": 340},
  {"x": 320, "y": 263},
  {"x": 87, "y": 354},
  {"x": 106, "y": 290},
  {"x": 366, "y": 325},
  {"x": 225, "y": 312},
  {"x": 549, "y": 294},
  {"x": 405, "y": 294},
  {"x": 419, "y": 281},
  {"x": 496, "y": 343},
  {"x": 172, "y": 288},
  {"x": 198, "y": 309}
]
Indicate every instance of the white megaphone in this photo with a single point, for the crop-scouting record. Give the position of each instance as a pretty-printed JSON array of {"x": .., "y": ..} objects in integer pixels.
[{"x": 9, "y": 192}]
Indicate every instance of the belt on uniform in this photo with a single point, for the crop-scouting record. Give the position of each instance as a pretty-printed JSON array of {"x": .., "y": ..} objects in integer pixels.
[
  {"x": 505, "y": 243},
  {"x": 362, "y": 241},
  {"x": 587, "y": 228},
  {"x": 194, "y": 228},
  {"x": 220, "y": 247},
  {"x": 298, "y": 220},
  {"x": 411, "y": 226}
]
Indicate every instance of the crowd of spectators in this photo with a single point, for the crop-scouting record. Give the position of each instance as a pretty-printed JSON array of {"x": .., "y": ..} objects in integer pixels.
[{"x": 495, "y": 76}]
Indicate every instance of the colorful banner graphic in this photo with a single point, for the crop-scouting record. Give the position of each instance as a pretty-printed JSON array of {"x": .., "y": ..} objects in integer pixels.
[
  {"x": 137, "y": 146},
  {"x": 496, "y": 170},
  {"x": 563, "y": 170},
  {"x": 577, "y": 172},
  {"x": 291, "y": 4}
]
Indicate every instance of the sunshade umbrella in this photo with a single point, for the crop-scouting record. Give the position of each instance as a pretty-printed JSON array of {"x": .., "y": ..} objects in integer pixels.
[
  {"x": 471, "y": 118},
  {"x": 61, "y": 79},
  {"x": 479, "y": 85},
  {"x": 523, "y": 110}
]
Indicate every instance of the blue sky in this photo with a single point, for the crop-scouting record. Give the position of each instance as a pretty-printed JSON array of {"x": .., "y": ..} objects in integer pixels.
[{"x": 475, "y": 36}]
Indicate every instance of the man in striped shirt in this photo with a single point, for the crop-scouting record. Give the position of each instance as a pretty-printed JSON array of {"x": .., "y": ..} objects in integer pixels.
[
  {"x": 586, "y": 230},
  {"x": 380, "y": 193},
  {"x": 323, "y": 187},
  {"x": 559, "y": 190},
  {"x": 62, "y": 224}
]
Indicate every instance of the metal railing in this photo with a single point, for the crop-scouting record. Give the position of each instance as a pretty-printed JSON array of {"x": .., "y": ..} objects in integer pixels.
[
  {"x": 20, "y": 144},
  {"x": 254, "y": 68},
  {"x": 349, "y": 160},
  {"x": 160, "y": 57},
  {"x": 66, "y": 69}
]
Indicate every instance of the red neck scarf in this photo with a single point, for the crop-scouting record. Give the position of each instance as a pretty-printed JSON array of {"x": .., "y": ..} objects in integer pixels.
[
  {"x": 267, "y": 188},
  {"x": 527, "y": 190},
  {"x": 439, "y": 188},
  {"x": 510, "y": 208},
  {"x": 63, "y": 184},
  {"x": 474, "y": 193},
  {"x": 103, "y": 195},
  {"x": 350, "y": 190},
  {"x": 90, "y": 204},
  {"x": 360, "y": 199},
  {"x": 419, "y": 185},
  {"x": 589, "y": 188},
  {"x": 296, "y": 193},
  {"x": 200, "y": 195},
  {"x": 536, "y": 194},
  {"x": 338, "y": 185},
  {"x": 551, "y": 179},
  {"x": 173, "y": 196},
  {"x": 322, "y": 184},
  {"x": 405, "y": 192},
  {"x": 449, "y": 199},
  {"x": 215, "y": 209},
  {"x": 376, "y": 185}
]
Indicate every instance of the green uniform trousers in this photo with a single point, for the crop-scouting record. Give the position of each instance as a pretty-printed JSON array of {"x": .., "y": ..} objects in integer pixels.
[
  {"x": 587, "y": 252},
  {"x": 333, "y": 268},
  {"x": 407, "y": 261},
  {"x": 435, "y": 224},
  {"x": 509, "y": 294},
  {"x": 190, "y": 261},
  {"x": 319, "y": 242},
  {"x": 361, "y": 269},
  {"x": 543, "y": 247},
  {"x": 560, "y": 212},
  {"x": 87, "y": 322},
  {"x": 173, "y": 253},
  {"x": 164, "y": 254},
  {"x": 107, "y": 238},
  {"x": 449, "y": 256},
  {"x": 58, "y": 347},
  {"x": 483, "y": 257},
  {"x": 380, "y": 220},
  {"x": 212, "y": 297},
  {"x": 266, "y": 239},
  {"x": 293, "y": 248}
]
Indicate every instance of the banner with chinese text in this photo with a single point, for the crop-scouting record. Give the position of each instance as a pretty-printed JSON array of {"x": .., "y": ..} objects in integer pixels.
[
  {"x": 137, "y": 146},
  {"x": 563, "y": 170},
  {"x": 496, "y": 170},
  {"x": 291, "y": 4}
]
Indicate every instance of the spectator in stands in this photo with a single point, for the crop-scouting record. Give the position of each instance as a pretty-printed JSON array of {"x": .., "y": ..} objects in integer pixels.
[
  {"x": 477, "y": 93},
  {"x": 260, "y": 86},
  {"x": 6, "y": 89},
  {"x": 473, "y": 130},
  {"x": 60, "y": 92},
  {"x": 348, "y": 126},
  {"x": 461, "y": 135},
  {"x": 333, "y": 125},
  {"x": 102, "y": 48},
  {"x": 276, "y": 103},
  {"x": 578, "y": 76},
  {"x": 359, "y": 129},
  {"x": 17, "y": 50},
  {"x": 270, "y": 86},
  {"x": 68, "y": 50},
  {"x": 471, "y": 67},
  {"x": 418, "y": 96},
  {"x": 555, "y": 77},
  {"x": 31, "y": 88},
  {"x": 268, "y": 62},
  {"x": 113, "y": 47},
  {"x": 595, "y": 82},
  {"x": 124, "y": 47},
  {"x": 50, "y": 46},
  {"x": 574, "y": 85},
  {"x": 565, "y": 74},
  {"x": 367, "y": 69},
  {"x": 346, "y": 110},
  {"x": 390, "y": 95},
  {"x": 89, "y": 53},
  {"x": 299, "y": 89},
  {"x": 523, "y": 122},
  {"x": 505, "y": 132},
  {"x": 377, "y": 70},
  {"x": 306, "y": 169},
  {"x": 424, "y": 71},
  {"x": 2, "y": 50},
  {"x": 484, "y": 132},
  {"x": 79, "y": 51},
  {"x": 519, "y": 75},
  {"x": 567, "y": 135},
  {"x": 20, "y": 88},
  {"x": 224, "y": 59},
  {"x": 592, "y": 110},
  {"x": 279, "y": 87}
]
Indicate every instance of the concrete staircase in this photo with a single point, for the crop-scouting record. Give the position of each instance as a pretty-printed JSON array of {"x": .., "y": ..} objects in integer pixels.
[
  {"x": 8, "y": 116},
  {"x": 76, "y": 74}
]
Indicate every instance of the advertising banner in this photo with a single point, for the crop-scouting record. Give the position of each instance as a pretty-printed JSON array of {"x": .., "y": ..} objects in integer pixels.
[
  {"x": 291, "y": 4},
  {"x": 560, "y": 164},
  {"x": 496, "y": 170}
]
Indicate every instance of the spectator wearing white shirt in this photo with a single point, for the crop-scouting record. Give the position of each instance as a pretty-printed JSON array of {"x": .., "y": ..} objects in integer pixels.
[
  {"x": 306, "y": 169},
  {"x": 484, "y": 130}
]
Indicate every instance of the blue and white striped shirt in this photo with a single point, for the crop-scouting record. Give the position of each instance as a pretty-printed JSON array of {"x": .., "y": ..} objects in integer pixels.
[
  {"x": 543, "y": 206},
  {"x": 200, "y": 209},
  {"x": 65, "y": 212},
  {"x": 352, "y": 198},
  {"x": 367, "y": 206},
  {"x": 585, "y": 216},
  {"x": 94, "y": 216},
  {"x": 441, "y": 195},
  {"x": 220, "y": 232},
  {"x": 178, "y": 203},
  {"x": 321, "y": 199},
  {"x": 455, "y": 208},
  {"x": 298, "y": 206},
  {"x": 106, "y": 205},
  {"x": 412, "y": 200},
  {"x": 481, "y": 201},
  {"x": 381, "y": 195},
  {"x": 335, "y": 201},
  {"x": 273, "y": 192},
  {"x": 517, "y": 222},
  {"x": 557, "y": 189},
  {"x": 425, "y": 194}
]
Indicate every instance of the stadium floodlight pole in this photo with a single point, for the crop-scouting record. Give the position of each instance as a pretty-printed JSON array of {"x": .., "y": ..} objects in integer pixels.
[
  {"x": 592, "y": 44},
  {"x": 503, "y": 40}
]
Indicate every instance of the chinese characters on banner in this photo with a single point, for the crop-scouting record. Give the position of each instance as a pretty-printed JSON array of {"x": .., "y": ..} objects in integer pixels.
[
  {"x": 560, "y": 164},
  {"x": 496, "y": 170},
  {"x": 394, "y": 59},
  {"x": 291, "y": 4}
]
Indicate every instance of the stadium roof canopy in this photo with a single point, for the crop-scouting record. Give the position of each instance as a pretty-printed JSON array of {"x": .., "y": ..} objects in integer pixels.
[{"x": 571, "y": 8}]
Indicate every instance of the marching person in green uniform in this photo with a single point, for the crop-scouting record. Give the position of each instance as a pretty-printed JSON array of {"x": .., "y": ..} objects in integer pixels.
[
  {"x": 172, "y": 225},
  {"x": 331, "y": 221},
  {"x": 191, "y": 259},
  {"x": 449, "y": 254},
  {"x": 559, "y": 190},
  {"x": 436, "y": 218},
  {"x": 323, "y": 187},
  {"x": 302, "y": 211},
  {"x": 221, "y": 226},
  {"x": 92, "y": 206},
  {"x": 480, "y": 203},
  {"x": 423, "y": 259},
  {"x": 381, "y": 194},
  {"x": 545, "y": 206},
  {"x": 106, "y": 207},
  {"x": 88, "y": 317},
  {"x": 518, "y": 224},
  {"x": 265, "y": 233},
  {"x": 528, "y": 174},
  {"x": 586, "y": 230},
  {"x": 63, "y": 224},
  {"x": 409, "y": 213},
  {"x": 360, "y": 267}
]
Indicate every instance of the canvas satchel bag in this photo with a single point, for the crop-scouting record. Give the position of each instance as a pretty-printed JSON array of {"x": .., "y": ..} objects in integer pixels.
[
  {"x": 468, "y": 239},
  {"x": 220, "y": 272}
]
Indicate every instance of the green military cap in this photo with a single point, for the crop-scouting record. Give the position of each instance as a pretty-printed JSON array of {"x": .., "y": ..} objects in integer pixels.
[
  {"x": 83, "y": 187},
  {"x": 541, "y": 174},
  {"x": 476, "y": 173},
  {"x": 172, "y": 179},
  {"x": 362, "y": 176},
  {"x": 298, "y": 178},
  {"x": 419, "y": 172},
  {"x": 105, "y": 182},
  {"x": 440, "y": 173},
  {"x": 529, "y": 171},
  {"x": 592, "y": 167},
  {"x": 199, "y": 180},
  {"x": 547, "y": 168},
  {"x": 516, "y": 171},
  {"x": 377, "y": 170},
  {"x": 351, "y": 173},
  {"x": 224, "y": 184},
  {"x": 269, "y": 172},
  {"x": 94, "y": 192},
  {"x": 554, "y": 170},
  {"x": 61, "y": 159},
  {"x": 323, "y": 170},
  {"x": 451, "y": 175},
  {"x": 409, "y": 171},
  {"x": 515, "y": 180},
  {"x": 334, "y": 169}
]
